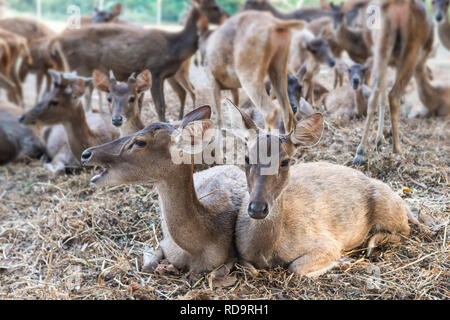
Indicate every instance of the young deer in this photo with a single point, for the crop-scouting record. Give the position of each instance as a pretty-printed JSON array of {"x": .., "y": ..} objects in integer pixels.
[
  {"x": 405, "y": 37},
  {"x": 198, "y": 211},
  {"x": 440, "y": 11},
  {"x": 101, "y": 46},
  {"x": 350, "y": 101},
  {"x": 62, "y": 105},
  {"x": 304, "y": 216},
  {"x": 242, "y": 51},
  {"x": 351, "y": 40},
  {"x": 125, "y": 99},
  {"x": 104, "y": 16}
]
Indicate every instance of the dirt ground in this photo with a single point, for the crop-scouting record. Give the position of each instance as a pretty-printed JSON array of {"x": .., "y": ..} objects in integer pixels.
[{"x": 61, "y": 238}]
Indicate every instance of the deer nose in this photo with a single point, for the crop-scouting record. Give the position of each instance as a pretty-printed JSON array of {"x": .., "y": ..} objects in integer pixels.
[
  {"x": 439, "y": 17},
  {"x": 86, "y": 156},
  {"x": 332, "y": 63},
  {"x": 117, "y": 121},
  {"x": 21, "y": 118},
  {"x": 258, "y": 210}
]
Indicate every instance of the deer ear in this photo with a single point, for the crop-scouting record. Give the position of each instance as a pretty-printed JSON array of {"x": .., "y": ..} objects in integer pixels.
[
  {"x": 78, "y": 88},
  {"x": 194, "y": 137},
  {"x": 101, "y": 81},
  {"x": 117, "y": 10},
  {"x": 308, "y": 131},
  {"x": 144, "y": 81},
  {"x": 202, "y": 113}
]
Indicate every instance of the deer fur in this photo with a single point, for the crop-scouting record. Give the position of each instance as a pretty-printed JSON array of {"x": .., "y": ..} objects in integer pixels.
[
  {"x": 242, "y": 51},
  {"x": 306, "y": 215},
  {"x": 405, "y": 37},
  {"x": 198, "y": 211},
  {"x": 62, "y": 105},
  {"x": 440, "y": 11}
]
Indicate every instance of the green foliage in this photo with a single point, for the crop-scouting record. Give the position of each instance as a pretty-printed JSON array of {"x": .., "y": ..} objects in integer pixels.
[{"x": 140, "y": 11}]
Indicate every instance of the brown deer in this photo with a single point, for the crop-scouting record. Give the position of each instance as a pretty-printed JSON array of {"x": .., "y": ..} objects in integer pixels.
[
  {"x": 350, "y": 39},
  {"x": 435, "y": 98},
  {"x": 104, "y": 16},
  {"x": 19, "y": 53},
  {"x": 440, "y": 11},
  {"x": 62, "y": 105},
  {"x": 16, "y": 140},
  {"x": 304, "y": 216},
  {"x": 163, "y": 53},
  {"x": 37, "y": 35},
  {"x": 405, "y": 37},
  {"x": 350, "y": 101},
  {"x": 198, "y": 211},
  {"x": 242, "y": 51},
  {"x": 125, "y": 99},
  {"x": 306, "y": 14}
]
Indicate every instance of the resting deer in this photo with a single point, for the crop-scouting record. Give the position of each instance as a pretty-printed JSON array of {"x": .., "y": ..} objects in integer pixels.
[
  {"x": 198, "y": 211},
  {"x": 104, "y": 16},
  {"x": 163, "y": 53},
  {"x": 435, "y": 98},
  {"x": 351, "y": 40},
  {"x": 125, "y": 99},
  {"x": 242, "y": 51},
  {"x": 306, "y": 14},
  {"x": 63, "y": 105},
  {"x": 16, "y": 140},
  {"x": 405, "y": 37},
  {"x": 350, "y": 100},
  {"x": 440, "y": 10},
  {"x": 304, "y": 216}
]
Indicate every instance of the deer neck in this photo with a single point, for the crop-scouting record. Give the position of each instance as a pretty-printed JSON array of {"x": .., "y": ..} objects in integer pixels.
[
  {"x": 78, "y": 132},
  {"x": 360, "y": 100},
  {"x": 186, "y": 42},
  {"x": 183, "y": 213},
  {"x": 131, "y": 126}
]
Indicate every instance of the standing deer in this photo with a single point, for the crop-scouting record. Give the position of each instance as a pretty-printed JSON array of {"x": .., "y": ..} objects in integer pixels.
[
  {"x": 125, "y": 98},
  {"x": 405, "y": 37},
  {"x": 242, "y": 51},
  {"x": 440, "y": 10},
  {"x": 126, "y": 50},
  {"x": 304, "y": 216},
  {"x": 63, "y": 105},
  {"x": 198, "y": 211}
]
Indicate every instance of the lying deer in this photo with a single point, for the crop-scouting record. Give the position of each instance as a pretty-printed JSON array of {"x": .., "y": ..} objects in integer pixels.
[
  {"x": 405, "y": 37},
  {"x": 304, "y": 216},
  {"x": 306, "y": 14},
  {"x": 63, "y": 105},
  {"x": 350, "y": 101},
  {"x": 104, "y": 16},
  {"x": 16, "y": 140},
  {"x": 435, "y": 98},
  {"x": 163, "y": 53},
  {"x": 125, "y": 98},
  {"x": 242, "y": 51},
  {"x": 440, "y": 11},
  {"x": 198, "y": 211}
]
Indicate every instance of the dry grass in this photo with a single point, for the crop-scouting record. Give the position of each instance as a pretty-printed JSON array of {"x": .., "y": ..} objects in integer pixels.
[{"x": 60, "y": 238}]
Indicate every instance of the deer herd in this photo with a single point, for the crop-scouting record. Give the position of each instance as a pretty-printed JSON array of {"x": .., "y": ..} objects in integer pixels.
[{"x": 303, "y": 216}]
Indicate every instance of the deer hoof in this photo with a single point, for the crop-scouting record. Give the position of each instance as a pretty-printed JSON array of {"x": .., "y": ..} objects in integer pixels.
[
  {"x": 359, "y": 159},
  {"x": 151, "y": 259}
]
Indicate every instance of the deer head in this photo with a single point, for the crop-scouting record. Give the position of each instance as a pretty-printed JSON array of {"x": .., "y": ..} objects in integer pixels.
[
  {"x": 213, "y": 12},
  {"x": 440, "y": 9},
  {"x": 104, "y": 16}
]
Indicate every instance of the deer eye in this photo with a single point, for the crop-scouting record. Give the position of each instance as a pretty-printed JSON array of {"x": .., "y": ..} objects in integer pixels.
[
  {"x": 140, "y": 143},
  {"x": 247, "y": 161},
  {"x": 109, "y": 99},
  {"x": 132, "y": 100},
  {"x": 53, "y": 103},
  {"x": 285, "y": 163}
]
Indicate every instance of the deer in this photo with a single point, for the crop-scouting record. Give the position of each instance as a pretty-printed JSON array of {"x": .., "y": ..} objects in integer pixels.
[
  {"x": 104, "y": 16},
  {"x": 198, "y": 211},
  {"x": 435, "y": 98},
  {"x": 125, "y": 98},
  {"x": 242, "y": 51},
  {"x": 101, "y": 47},
  {"x": 440, "y": 11},
  {"x": 63, "y": 106},
  {"x": 19, "y": 53},
  {"x": 405, "y": 37},
  {"x": 303, "y": 216},
  {"x": 17, "y": 141},
  {"x": 350, "y": 101},
  {"x": 37, "y": 35},
  {"x": 306, "y": 14},
  {"x": 350, "y": 39}
]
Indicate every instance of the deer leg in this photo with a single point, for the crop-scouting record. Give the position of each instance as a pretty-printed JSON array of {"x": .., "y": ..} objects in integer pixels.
[
  {"x": 315, "y": 263},
  {"x": 235, "y": 94},
  {"x": 151, "y": 259},
  {"x": 88, "y": 106},
  {"x": 39, "y": 80},
  {"x": 180, "y": 92},
  {"x": 381, "y": 107},
  {"x": 157, "y": 92},
  {"x": 183, "y": 80},
  {"x": 15, "y": 77},
  {"x": 379, "y": 238},
  {"x": 217, "y": 92},
  {"x": 277, "y": 70}
]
